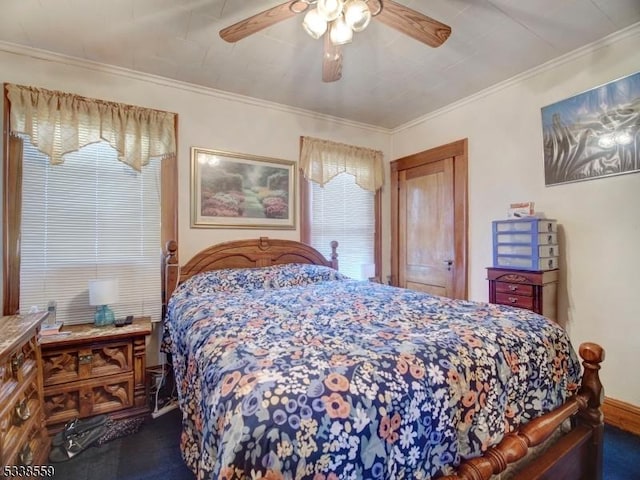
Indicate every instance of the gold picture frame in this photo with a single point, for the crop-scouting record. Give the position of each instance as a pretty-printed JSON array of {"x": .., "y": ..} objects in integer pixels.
[{"x": 233, "y": 190}]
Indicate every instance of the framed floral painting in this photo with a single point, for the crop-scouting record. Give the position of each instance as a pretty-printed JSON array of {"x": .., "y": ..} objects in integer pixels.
[{"x": 234, "y": 190}]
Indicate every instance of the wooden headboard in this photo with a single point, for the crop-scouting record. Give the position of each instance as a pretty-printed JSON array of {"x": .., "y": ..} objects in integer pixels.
[{"x": 260, "y": 252}]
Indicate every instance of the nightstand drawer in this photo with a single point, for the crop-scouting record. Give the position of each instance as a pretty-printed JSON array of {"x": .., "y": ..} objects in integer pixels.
[
  {"x": 514, "y": 288},
  {"x": 91, "y": 397},
  {"x": 514, "y": 300},
  {"x": 85, "y": 362}
]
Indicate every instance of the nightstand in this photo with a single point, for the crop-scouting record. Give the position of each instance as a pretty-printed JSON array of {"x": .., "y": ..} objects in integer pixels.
[
  {"x": 536, "y": 291},
  {"x": 95, "y": 370}
]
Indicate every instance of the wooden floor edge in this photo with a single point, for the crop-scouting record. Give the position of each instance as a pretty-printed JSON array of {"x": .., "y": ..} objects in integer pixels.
[{"x": 622, "y": 415}]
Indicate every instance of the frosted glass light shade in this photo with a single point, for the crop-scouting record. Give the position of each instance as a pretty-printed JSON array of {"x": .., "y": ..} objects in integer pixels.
[
  {"x": 103, "y": 292},
  {"x": 330, "y": 9},
  {"x": 314, "y": 24},
  {"x": 341, "y": 33},
  {"x": 357, "y": 15}
]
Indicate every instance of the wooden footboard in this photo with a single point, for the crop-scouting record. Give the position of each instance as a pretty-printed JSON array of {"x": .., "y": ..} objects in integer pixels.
[{"x": 576, "y": 455}]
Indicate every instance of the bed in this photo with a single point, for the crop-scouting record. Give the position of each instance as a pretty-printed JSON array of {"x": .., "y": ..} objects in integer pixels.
[{"x": 287, "y": 369}]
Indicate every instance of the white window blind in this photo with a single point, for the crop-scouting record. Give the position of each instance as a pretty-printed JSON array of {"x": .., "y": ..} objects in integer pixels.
[
  {"x": 90, "y": 217},
  {"x": 343, "y": 211}
]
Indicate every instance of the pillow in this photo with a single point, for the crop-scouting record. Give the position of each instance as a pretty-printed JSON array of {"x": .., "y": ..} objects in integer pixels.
[
  {"x": 247, "y": 279},
  {"x": 294, "y": 274}
]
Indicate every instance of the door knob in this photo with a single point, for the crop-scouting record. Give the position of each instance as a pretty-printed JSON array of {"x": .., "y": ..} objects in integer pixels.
[{"x": 449, "y": 264}]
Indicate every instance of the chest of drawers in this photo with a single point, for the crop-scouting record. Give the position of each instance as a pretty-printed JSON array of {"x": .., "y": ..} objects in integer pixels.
[
  {"x": 533, "y": 290},
  {"x": 95, "y": 370},
  {"x": 23, "y": 437}
]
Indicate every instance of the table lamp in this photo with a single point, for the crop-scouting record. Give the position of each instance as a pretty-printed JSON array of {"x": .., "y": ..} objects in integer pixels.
[{"x": 101, "y": 293}]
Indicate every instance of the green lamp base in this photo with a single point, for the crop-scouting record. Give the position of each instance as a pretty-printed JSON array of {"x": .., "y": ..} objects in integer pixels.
[{"x": 104, "y": 316}]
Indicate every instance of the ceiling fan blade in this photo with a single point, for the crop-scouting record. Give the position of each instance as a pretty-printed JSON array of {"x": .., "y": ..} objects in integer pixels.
[
  {"x": 331, "y": 61},
  {"x": 415, "y": 24},
  {"x": 257, "y": 22}
]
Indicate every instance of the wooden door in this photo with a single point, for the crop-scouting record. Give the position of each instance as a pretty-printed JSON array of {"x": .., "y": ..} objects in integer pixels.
[
  {"x": 429, "y": 221},
  {"x": 425, "y": 218}
]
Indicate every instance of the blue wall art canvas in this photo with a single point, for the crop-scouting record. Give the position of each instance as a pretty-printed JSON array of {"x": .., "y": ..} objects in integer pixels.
[{"x": 593, "y": 134}]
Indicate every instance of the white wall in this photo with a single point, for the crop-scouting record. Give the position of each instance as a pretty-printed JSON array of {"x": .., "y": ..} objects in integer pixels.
[
  {"x": 207, "y": 119},
  {"x": 600, "y": 237},
  {"x": 601, "y": 229}
]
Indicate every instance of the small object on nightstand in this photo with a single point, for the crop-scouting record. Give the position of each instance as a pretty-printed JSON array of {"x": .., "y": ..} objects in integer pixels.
[
  {"x": 119, "y": 322},
  {"x": 129, "y": 319}
]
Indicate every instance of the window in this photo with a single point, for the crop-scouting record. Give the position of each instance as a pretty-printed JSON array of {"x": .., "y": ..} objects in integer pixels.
[
  {"x": 89, "y": 217},
  {"x": 90, "y": 193},
  {"x": 343, "y": 211},
  {"x": 340, "y": 200}
]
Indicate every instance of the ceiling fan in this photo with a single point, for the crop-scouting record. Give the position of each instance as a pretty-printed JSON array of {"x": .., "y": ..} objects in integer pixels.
[{"x": 339, "y": 19}]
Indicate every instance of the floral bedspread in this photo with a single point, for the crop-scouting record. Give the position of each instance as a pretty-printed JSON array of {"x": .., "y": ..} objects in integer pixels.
[{"x": 298, "y": 372}]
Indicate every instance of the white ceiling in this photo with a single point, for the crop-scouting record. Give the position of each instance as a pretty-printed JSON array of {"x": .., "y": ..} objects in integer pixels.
[{"x": 388, "y": 78}]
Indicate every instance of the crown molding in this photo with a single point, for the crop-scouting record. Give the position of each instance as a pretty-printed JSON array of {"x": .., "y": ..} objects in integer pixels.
[
  {"x": 631, "y": 31},
  {"x": 45, "y": 55}
]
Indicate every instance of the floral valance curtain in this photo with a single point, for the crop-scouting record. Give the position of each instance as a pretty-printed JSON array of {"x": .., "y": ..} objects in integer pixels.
[
  {"x": 321, "y": 160},
  {"x": 59, "y": 123}
]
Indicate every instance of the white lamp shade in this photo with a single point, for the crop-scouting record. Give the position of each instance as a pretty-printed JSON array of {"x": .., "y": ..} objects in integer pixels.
[
  {"x": 357, "y": 15},
  {"x": 103, "y": 292},
  {"x": 314, "y": 24},
  {"x": 340, "y": 33},
  {"x": 330, "y": 9}
]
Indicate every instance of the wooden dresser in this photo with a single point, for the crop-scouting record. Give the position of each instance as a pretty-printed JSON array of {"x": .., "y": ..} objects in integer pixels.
[
  {"x": 23, "y": 437},
  {"x": 533, "y": 290},
  {"x": 95, "y": 370}
]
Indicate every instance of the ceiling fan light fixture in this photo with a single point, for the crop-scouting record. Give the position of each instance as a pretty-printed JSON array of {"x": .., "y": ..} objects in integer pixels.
[
  {"x": 357, "y": 15},
  {"x": 330, "y": 9},
  {"x": 314, "y": 24},
  {"x": 340, "y": 33}
]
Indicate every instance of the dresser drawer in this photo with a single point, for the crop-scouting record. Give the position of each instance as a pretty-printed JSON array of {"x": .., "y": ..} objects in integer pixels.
[
  {"x": 90, "y": 397},
  {"x": 19, "y": 414},
  {"x": 514, "y": 288},
  {"x": 520, "y": 301},
  {"x": 33, "y": 447},
  {"x": 69, "y": 364},
  {"x": 16, "y": 366}
]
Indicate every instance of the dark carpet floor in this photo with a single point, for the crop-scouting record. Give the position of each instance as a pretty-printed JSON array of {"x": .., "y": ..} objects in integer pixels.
[{"x": 153, "y": 453}]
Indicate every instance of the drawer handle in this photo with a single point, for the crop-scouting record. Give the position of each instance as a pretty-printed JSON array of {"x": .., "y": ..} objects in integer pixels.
[
  {"x": 21, "y": 412},
  {"x": 513, "y": 288},
  {"x": 513, "y": 299},
  {"x": 84, "y": 359},
  {"x": 25, "y": 457},
  {"x": 17, "y": 362}
]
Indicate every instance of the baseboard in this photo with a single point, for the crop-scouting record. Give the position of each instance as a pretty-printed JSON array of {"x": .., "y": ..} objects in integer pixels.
[{"x": 622, "y": 415}]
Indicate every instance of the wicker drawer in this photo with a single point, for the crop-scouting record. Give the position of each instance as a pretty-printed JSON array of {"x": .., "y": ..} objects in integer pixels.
[
  {"x": 514, "y": 288},
  {"x": 514, "y": 300},
  {"x": 87, "y": 361},
  {"x": 90, "y": 397}
]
